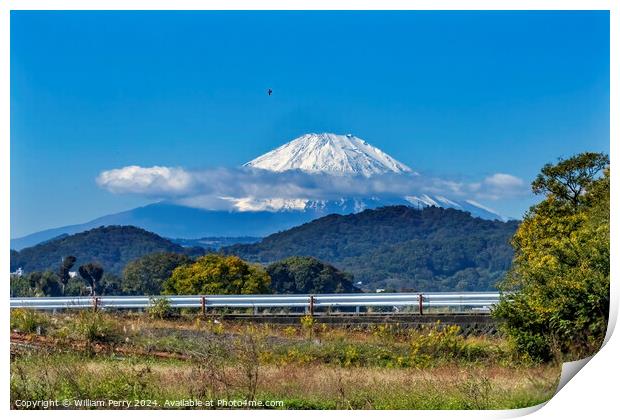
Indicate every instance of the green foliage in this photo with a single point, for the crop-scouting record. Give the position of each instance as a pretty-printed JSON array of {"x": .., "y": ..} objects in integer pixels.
[
  {"x": 569, "y": 179},
  {"x": 63, "y": 271},
  {"x": 399, "y": 247},
  {"x": 160, "y": 308},
  {"x": 45, "y": 283},
  {"x": 76, "y": 287},
  {"x": 96, "y": 327},
  {"x": 217, "y": 274},
  {"x": 21, "y": 286},
  {"x": 146, "y": 275},
  {"x": 308, "y": 275},
  {"x": 109, "y": 284},
  {"x": 307, "y": 324},
  {"x": 110, "y": 246},
  {"x": 559, "y": 283},
  {"x": 92, "y": 274},
  {"x": 28, "y": 320}
]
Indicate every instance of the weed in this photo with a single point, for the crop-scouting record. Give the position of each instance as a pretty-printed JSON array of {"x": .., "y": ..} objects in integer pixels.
[
  {"x": 476, "y": 392},
  {"x": 28, "y": 321},
  {"x": 307, "y": 324},
  {"x": 160, "y": 308},
  {"x": 95, "y": 327}
]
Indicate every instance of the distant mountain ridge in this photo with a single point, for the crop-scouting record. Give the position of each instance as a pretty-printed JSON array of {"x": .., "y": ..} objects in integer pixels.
[
  {"x": 395, "y": 247},
  {"x": 110, "y": 246}
]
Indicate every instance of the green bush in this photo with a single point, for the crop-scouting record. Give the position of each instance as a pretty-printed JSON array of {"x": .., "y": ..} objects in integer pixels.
[
  {"x": 28, "y": 321},
  {"x": 96, "y": 327},
  {"x": 160, "y": 308}
]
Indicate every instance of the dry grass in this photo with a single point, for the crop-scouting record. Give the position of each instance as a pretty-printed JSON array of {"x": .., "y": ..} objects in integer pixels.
[
  {"x": 327, "y": 367},
  {"x": 299, "y": 386}
]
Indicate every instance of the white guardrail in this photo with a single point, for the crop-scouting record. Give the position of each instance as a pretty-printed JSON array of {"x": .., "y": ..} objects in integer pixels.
[{"x": 472, "y": 301}]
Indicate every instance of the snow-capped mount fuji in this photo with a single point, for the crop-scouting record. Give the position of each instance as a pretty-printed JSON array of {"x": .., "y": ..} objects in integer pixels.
[
  {"x": 329, "y": 153},
  {"x": 343, "y": 155}
]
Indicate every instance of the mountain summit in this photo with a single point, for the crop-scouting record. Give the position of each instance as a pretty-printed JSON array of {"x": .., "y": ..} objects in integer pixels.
[{"x": 329, "y": 153}]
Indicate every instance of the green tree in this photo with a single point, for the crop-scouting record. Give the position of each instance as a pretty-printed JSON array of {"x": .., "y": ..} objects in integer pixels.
[
  {"x": 569, "y": 179},
  {"x": 37, "y": 283},
  {"x": 63, "y": 271},
  {"x": 558, "y": 286},
  {"x": 146, "y": 275},
  {"x": 218, "y": 274},
  {"x": 308, "y": 275},
  {"x": 91, "y": 273},
  {"x": 110, "y": 285},
  {"x": 21, "y": 286}
]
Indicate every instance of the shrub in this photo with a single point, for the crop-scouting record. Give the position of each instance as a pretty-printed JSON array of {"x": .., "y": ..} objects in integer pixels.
[
  {"x": 96, "y": 327},
  {"x": 160, "y": 308},
  {"x": 28, "y": 321}
]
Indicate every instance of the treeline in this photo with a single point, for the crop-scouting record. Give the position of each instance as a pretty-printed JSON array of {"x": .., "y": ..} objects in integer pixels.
[
  {"x": 171, "y": 273},
  {"x": 112, "y": 247},
  {"x": 399, "y": 247}
]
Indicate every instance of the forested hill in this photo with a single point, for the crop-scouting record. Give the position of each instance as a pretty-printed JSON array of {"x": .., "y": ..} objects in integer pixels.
[
  {"x": 110, "y": 246},
  {"x": 399, "y": 247}
]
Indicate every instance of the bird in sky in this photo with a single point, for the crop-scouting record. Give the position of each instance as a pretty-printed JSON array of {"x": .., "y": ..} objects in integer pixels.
[{"x": 269, "y": 92}]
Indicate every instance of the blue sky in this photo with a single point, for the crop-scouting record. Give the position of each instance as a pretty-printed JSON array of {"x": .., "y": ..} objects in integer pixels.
[{"x": 458, "y": 95}]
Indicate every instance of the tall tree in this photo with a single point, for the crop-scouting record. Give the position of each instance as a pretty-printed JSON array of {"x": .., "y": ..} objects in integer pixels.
[
  {"x": 558, "y": 300},
  {"x": 91, "y": 273},
  {"x": 308, "y": 275},
  {"x": 570, "y": 179},
  {"x": 146, "y": 275},
  {"x": 65, "y": 267}
]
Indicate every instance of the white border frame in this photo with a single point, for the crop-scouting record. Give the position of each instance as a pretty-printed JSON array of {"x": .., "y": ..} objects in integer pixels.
[{"x": 592, "y": 394}]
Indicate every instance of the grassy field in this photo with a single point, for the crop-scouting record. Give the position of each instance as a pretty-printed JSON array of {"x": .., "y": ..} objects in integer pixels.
[{"x": 161, "y": 363}]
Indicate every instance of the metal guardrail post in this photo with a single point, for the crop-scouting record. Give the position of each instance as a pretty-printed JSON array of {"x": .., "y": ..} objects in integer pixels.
[
  {"x": 311, "y": 305},
  {"x": 95, "y": 303},
  {"x": 421, "y": 303},
  {"x": 203, "y": 305}
]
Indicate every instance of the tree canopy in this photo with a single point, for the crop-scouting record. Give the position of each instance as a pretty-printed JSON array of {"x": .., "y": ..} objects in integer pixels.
[
  {"x": 568, "y": 180},
  {"x": 110, "y": 246},
  {"x": 558, "y": 299},
  {"x": 65, "y": 267},
  {"x": 308, "y": 275},
  {"x": 215, "y": 274},
  {"x": 46, "y": 283},
  {"x": 92, "y": 274},
  {"x": 146, "y": 275}
]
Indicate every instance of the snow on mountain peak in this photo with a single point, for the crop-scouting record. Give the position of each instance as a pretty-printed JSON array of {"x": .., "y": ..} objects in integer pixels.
[{"x": 329, "y": 153}]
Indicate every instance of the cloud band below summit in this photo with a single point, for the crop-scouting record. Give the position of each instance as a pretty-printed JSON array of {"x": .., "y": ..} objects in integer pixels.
[{"x": 211, "y": 185}]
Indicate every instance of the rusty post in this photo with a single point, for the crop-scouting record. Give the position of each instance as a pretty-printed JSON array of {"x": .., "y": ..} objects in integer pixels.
[
  {"x": 203, "y": 305},
  {"x": 421, "y": 302},
  {"x": 95, "y": 303},
  {"x": 311, "y": 305}
]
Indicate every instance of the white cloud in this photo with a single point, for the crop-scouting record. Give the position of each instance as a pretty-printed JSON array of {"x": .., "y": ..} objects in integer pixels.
[
  {"x": 226, "y": 188},
  {"x": 500, "y": 180},
  {"x": 153, "y": 181},
  {"x": 501, "y": 185}
]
